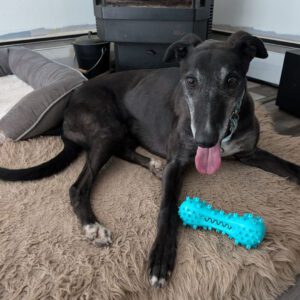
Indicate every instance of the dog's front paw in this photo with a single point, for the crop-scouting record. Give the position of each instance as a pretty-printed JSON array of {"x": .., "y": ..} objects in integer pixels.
[
  {"x": 97, "y": 234},
  {"x": 156, "y": 167},
  {"x": 161, "y": 262}
]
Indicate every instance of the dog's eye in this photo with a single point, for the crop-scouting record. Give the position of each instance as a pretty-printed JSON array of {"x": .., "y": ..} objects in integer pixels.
[
  {"x": 191, "y": 81},
  {"x": 232, "y": 82}
]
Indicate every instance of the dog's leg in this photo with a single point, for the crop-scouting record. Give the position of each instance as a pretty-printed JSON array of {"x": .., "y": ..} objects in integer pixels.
[
  {"x": 155, "y": 166},
  {"x": 271, "y": 163},
  {"x": 163, "y": 252},
  {"x": 80, "y": 191}
]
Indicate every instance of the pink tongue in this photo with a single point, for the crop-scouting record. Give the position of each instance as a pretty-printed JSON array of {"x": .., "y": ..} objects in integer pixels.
[{"x": 208, "y": 160}]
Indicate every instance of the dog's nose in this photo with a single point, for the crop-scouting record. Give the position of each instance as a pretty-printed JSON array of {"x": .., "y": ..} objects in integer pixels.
[{"x": 206, "y": 142}]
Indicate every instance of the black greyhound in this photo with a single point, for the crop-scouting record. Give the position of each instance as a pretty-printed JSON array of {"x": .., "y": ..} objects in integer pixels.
[{"x": 198, "y": 112}]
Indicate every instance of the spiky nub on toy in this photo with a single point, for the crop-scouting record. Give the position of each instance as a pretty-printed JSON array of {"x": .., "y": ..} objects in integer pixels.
[{"x": 246, "y": 230}]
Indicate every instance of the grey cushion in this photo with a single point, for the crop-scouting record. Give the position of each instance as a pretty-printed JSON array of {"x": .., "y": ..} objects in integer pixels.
[{"x": 43, "y": 108}]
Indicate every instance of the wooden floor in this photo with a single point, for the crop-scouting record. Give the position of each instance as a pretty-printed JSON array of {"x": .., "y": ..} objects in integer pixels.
[{"x": 284, "y": 123}]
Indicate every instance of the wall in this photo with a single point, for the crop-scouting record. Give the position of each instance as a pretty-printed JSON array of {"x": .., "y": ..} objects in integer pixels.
[
  {"x": 26, "y": 15},
  {"x": 272, "y": 18}
]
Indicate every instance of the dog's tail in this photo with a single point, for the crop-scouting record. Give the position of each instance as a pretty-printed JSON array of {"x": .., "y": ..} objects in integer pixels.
[{"x": 69, "y": 153}]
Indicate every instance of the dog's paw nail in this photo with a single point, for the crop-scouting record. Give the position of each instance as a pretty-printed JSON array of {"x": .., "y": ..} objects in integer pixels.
[{"x": 97, "y": 234}]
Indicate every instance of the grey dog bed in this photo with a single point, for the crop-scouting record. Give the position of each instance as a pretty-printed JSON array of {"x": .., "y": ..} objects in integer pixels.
[{"x": 42, "y": 109}]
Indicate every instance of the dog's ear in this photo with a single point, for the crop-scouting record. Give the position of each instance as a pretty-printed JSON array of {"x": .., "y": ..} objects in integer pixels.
[
  {"x": 179, "y": 49},
  {"x": 247, "y": 44}
]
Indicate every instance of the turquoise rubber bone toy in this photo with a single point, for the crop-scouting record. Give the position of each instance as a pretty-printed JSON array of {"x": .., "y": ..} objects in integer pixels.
[{"x": 246, "y": 230}]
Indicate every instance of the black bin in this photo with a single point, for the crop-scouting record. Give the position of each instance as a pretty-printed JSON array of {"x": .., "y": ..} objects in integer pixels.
[{"x": 92, "y": 55}]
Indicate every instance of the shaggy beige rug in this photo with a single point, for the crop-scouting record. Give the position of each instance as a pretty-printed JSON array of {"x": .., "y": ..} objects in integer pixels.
[{"x": 44, "y": 256}]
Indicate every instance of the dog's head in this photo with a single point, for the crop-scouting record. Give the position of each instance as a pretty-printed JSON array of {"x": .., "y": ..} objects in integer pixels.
[{"x": 213, "y": 79}]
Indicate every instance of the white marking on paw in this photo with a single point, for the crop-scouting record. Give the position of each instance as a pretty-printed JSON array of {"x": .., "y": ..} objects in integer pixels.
[
  {"x": 158, "y": 283},
  {"x": 98, "y": 234},
  {"x": 156, "y": 167},
  {"x": 157, "y": 164}
]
